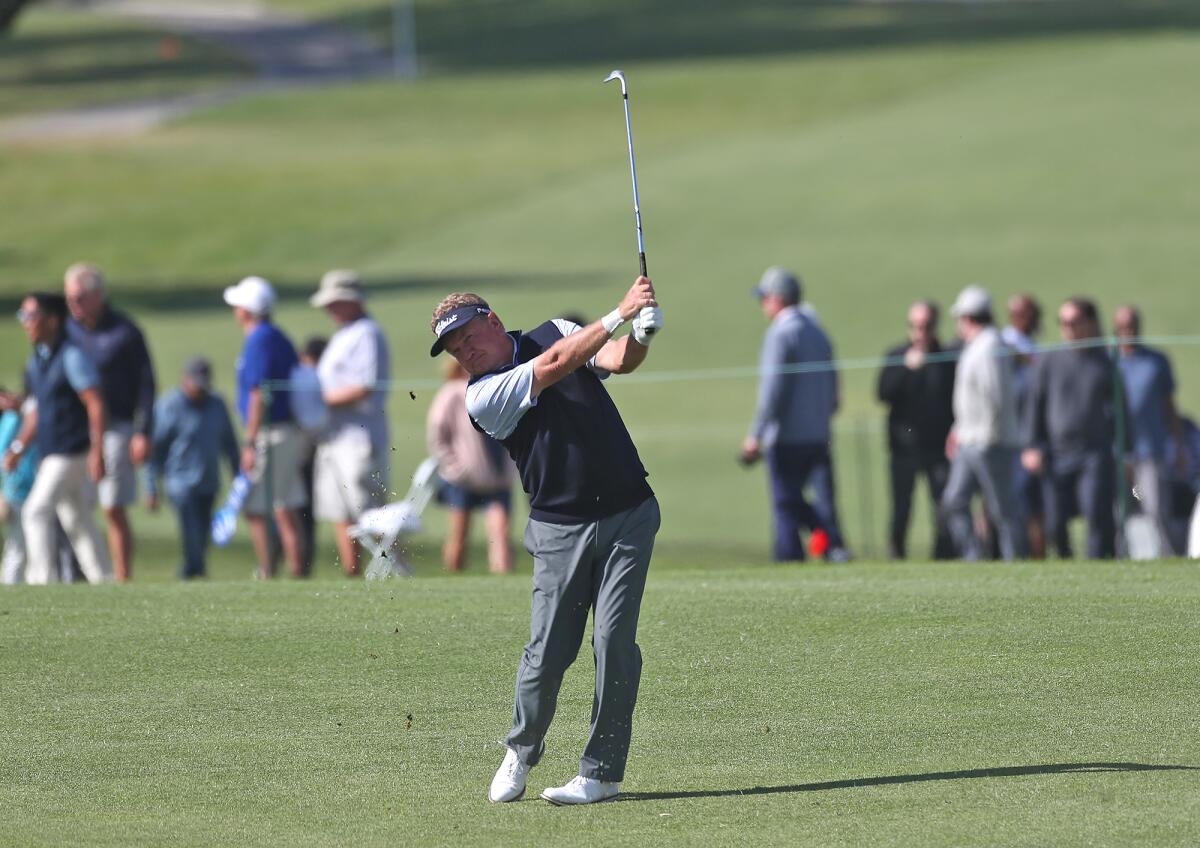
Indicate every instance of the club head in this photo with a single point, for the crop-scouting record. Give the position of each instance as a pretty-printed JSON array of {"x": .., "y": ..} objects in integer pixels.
[{"x": 617, "y": 75}]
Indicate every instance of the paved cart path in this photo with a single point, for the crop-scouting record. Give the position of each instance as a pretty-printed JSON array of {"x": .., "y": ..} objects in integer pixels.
[{"x": 285, "y": 50}]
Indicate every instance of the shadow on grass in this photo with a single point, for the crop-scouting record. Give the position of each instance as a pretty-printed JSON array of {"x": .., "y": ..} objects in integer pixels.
[
  {"x": 474, "y": 34},
  {"x": 191, "y": 296},
  {"x": 890, "y": 780}
]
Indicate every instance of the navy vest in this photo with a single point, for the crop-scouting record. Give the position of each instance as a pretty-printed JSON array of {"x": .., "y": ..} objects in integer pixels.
[
  {"x": 576, "y": 459},
  {"x": 62, "y": 422}
]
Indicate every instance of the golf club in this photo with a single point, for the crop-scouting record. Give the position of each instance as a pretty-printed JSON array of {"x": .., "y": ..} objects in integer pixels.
[{"x": 637, "y": 209}]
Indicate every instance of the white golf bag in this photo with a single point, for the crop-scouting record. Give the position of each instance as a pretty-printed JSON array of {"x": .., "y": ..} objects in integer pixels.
[{"x": 379, "y": 529}]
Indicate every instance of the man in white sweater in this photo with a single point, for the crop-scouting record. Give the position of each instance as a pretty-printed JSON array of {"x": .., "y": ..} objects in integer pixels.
[{"x": 982, "y": 447}]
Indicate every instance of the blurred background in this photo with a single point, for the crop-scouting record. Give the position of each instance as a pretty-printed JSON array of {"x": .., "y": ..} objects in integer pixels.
[{"x": 885, "y": 151}]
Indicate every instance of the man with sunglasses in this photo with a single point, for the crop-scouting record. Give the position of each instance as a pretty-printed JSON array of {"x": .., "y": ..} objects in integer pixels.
[
  {"x": 66, "y": 423},
  {"x": 1070, "y": 428}
]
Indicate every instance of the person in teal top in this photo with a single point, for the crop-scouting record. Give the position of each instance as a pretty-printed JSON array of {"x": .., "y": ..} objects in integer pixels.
[{"x": 14, "y": 488}]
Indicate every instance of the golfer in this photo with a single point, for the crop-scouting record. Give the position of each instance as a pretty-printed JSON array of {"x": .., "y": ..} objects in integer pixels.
[{"x": 592, "y": 516}]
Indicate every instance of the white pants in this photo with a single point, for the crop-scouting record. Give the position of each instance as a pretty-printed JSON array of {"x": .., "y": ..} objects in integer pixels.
[
  {"x": 13, "y": 570},
  {"x": 63, "y": 488},
  {"x": 1193, "y": 550}
]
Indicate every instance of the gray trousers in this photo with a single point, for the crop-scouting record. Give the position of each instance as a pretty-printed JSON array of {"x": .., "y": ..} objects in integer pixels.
[
  {"x": 990, "y": 471},
  {"x": 577, "y": 567}
]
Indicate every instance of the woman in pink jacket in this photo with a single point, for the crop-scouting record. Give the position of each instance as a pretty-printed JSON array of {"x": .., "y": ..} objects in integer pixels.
[{"x": 477, "y": 472}]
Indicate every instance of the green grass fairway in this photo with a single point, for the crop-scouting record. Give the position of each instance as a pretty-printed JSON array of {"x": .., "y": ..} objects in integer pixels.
[{"x": 857, "y": 706}]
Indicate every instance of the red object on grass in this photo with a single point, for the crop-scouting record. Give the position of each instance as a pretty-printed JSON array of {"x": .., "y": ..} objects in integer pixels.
[{"x": 818, "y": 543}]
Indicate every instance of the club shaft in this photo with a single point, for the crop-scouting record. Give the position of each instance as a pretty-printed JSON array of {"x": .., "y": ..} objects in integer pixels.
[{"x": 637, "y": 207}]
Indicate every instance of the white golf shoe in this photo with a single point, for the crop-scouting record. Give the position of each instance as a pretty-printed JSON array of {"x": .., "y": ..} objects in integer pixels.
[
  {"x": 509, "y": 782},
  {"x": 582, "y": 790}
]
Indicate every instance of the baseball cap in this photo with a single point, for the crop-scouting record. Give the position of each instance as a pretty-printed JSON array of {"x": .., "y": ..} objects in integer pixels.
[
  {"x": 780, "y": 282},
  {"x": 253, "y": 294},
  {"x": 337, "y": 286},
  {"x": 972, "y": 302},
  {"x": 451, "y": 321},
  {"x": 199, "y": 371}
]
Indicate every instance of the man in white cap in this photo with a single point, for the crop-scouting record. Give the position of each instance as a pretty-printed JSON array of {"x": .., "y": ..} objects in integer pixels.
[
  {"x": 273, "y": 442},
  {"x": 351, "y": 466},
  {"x": 983, "y": 444}
]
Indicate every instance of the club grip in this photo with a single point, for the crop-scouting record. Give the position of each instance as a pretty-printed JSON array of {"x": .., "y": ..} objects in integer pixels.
[{"x": 642, "y": 264}]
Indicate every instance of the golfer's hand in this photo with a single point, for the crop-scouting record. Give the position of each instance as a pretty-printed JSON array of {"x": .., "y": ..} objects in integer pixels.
[
  {"x": 95, "y": 464},
  {"x": 751, "y": 452},
  {"x": 10, "y": 461},
  {"x": 648, "y": 322},
  {"x": 951, "y": 444},
  {"x": 249, "y": 456},
  {"x": 638, "y": 298},
  {"x": 1031, "y": 459},
  {"x": 152, "y": 503}
]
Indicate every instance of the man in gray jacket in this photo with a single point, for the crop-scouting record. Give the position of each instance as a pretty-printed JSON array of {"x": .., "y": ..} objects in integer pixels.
[
  {"x": 792, "y": 422},
  {"x": 983, "y": 444}
]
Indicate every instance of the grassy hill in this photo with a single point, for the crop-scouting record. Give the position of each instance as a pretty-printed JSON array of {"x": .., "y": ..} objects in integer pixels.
[{"x": 1052, "y": 159}]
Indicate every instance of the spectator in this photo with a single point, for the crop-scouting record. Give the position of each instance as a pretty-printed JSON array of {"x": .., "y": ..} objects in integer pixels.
[
  {"x": 66, "y": 425},
  {"x": 1024, "y": 326},
  {"x": 267, "y": 358},
  {"x": 477, "y": 474},
  {"x": 917, "y": 384},
  {"x": 312, "y": 416},
  {"x": 352, "y": 464},
  {"x": 14, "y": 489},
  {"x": 983, "y": 443},
  {"x": 792, "y": 422},
  {"x": 192, "y": 432},
  {"x": 1185, "y": 482},
  {"x": 1154, "y": 422},
  {"x": 116, "y": 347},
  {"x": 1069, "y": 432}
]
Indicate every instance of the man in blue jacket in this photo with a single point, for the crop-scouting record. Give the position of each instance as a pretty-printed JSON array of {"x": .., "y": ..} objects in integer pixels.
[
  {"x": 792, "y": 423},
  {"x": 192, "y": 432}
]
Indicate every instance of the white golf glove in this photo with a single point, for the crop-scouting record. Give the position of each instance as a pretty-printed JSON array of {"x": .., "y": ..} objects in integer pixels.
[{"x": 646, "y": 324}]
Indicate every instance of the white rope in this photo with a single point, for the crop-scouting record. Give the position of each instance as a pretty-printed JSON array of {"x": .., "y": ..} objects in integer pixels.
[{"x": 744, "y": 371}]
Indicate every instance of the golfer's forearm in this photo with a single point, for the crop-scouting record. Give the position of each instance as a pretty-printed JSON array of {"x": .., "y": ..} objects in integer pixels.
[
  {"x": 567, "y": 354},
  {"x": 621, "y": 356}
]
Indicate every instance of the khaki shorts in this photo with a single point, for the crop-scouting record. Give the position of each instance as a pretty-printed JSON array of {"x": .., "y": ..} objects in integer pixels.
[
  {"x": 118, "y": 487},
  {"x": 349, "y": 477},
  {"x": 288, "y": 447}
]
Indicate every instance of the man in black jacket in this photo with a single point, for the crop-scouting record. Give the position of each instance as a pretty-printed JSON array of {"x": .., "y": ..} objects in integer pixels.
[
  {"x": 1070, "y": 431},
  {"x": 917, "y": 384}
]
